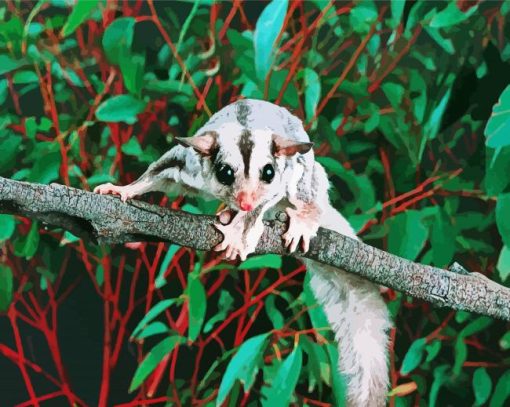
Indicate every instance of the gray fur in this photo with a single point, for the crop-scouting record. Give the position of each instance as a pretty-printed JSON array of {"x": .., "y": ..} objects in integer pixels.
[
  {"x": 258, "y": 114},
  {"x": 243, "y": 111}
]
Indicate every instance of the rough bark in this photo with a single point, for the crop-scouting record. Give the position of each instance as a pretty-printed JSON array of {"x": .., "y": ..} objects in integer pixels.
[{"x": 107, "y": 220}]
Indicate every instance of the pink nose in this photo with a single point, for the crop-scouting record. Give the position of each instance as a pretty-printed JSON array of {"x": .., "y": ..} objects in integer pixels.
[
  {"x": 246, "y": 206},
  {"x": 245, "y": 201}
]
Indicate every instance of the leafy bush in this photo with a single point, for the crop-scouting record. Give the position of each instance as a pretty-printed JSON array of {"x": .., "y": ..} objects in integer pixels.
[{"x": 397, "y": 97}]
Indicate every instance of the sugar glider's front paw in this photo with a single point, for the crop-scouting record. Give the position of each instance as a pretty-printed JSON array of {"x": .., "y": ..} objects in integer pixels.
[
  {"x": 125, "y": 192},
  {"x": 302, "y": 229},
  {"x": 236, "y": 241}
]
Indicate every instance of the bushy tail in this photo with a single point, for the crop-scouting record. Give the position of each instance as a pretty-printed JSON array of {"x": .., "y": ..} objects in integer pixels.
[{"x": 360, "y": 321}]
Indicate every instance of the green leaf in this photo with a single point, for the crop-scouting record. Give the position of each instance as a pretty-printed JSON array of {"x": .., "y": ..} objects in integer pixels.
[
  {"x": 460, "y": 355},
  {"x": 445, "y": 43},
  {"x": 26, "y": 246},
  {"x": 282, "y": 386},
  {"x": 4, "y": 90},
  {"x": 502, "y": 218},
  {"x": 46, "y": 276},
  {"x": 497, "y": 169},
  {"x": 450, "y": 16},
  {"x": 11, "y": 32},
  {"x": 273, "y": 313},
  {"x": 120, "y": 108},
  {"x": 316, "y": 313},
  {"x": 338, "y": 380},
  {"x": 32, "y": 241},
  {"x": 266, "y": 260},
  {"x": 224, "y": 304},
  {"x": 81, "y": 12},
  {"x": 34, "y": 29},
  {"x": 243, "y": 366},
  {"x": 153, "y": 313},
  {"x": 153, "y": 328},
  {"x": 362, "y": 16},
  {"x": 267, "y": 29},
  {"x": 433, "y": 123},
  {"x": 24, "y": 77},
  {"x": 132, "y": 147},
  {"x": 100, "y": 275},
  {"x": 5, "y": 287},
  {"x": 7, "y": 226},
  {"x": 187, "y": 23},
  {"x": 118, "y": 38},
  {"x": 317, "y": 361},
  {"x": 504, "y": 342},
  {"x": 46, "y": 168},
  {"x": 197, "y": 305},
  {"x": 479, "y": 324},
  {"x": 505, "y": 7},
  {"x": 152, "y": 360},
  {"x": 31, "y": 127},
  {"x": 7, "y": 64},
  {"x": 462, "y": 316},
  {"x": 407, "y": 234},
  {"x": 498, "y": 126},
  {"x": 433, "y": 349},
  {"x": 359, "y": 185},
  {"x": 132, "y": 68},
  {"x": 312, "y": 92},
  {"x": 442, "y": 239},
  {"x": 332, "y": 165},
  {"x": 318, "y": 364},
  {"x": 10, "y": 144},
  {"x": 440, "y": 377},
  {"x": 414, "y": 356},
  {"x": 397, "y": 9},
  {"x": 482, "y": 386},
  {"x": 501, "y": 391},
  {"x": 394, "y": 92},
  {"x": 169, "y": 86},
  {"x": 160, "y": 279}
]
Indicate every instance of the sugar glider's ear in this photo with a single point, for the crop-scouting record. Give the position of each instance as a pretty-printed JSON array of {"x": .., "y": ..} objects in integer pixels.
[
  {"x": 203, "y": 143},
  {"x": 286, "y": 147}
]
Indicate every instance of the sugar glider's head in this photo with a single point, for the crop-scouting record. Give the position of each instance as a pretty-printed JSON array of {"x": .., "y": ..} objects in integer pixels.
[{"x": 245, "y": 167}]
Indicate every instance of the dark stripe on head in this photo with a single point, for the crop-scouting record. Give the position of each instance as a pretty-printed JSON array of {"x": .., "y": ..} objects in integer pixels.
[
  {"x": 164, "y": 165},
  {"x": 274, "y": 148},
  {"x": 214, "y": 154},
  {"x": 243, "y": 110},
  {"x": 246, "y": 147}
]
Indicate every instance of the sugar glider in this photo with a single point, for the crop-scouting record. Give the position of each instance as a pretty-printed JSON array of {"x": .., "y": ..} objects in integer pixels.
[{"x": 256, "y": 157}]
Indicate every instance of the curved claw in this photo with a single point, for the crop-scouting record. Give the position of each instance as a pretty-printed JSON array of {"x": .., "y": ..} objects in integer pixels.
[
  {"x": 299, "y": 231},
  {"x": 222, "y": 245},
  {"x": 225, "y": 245},
  {"x": 228, "y": 252},
  {"x": 233, "y": 244},
  {"x": 306, "y": 244},
  {"x": 291, "y": 242}
]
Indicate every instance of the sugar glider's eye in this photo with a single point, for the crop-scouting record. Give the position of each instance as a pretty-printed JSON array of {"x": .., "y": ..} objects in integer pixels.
[
  {"x": 225, "y": 174},
  {"x": 267, "y": 173}
]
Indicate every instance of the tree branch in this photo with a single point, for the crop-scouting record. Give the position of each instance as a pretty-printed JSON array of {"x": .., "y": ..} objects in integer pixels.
[{"x": 106, "y": 220}]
